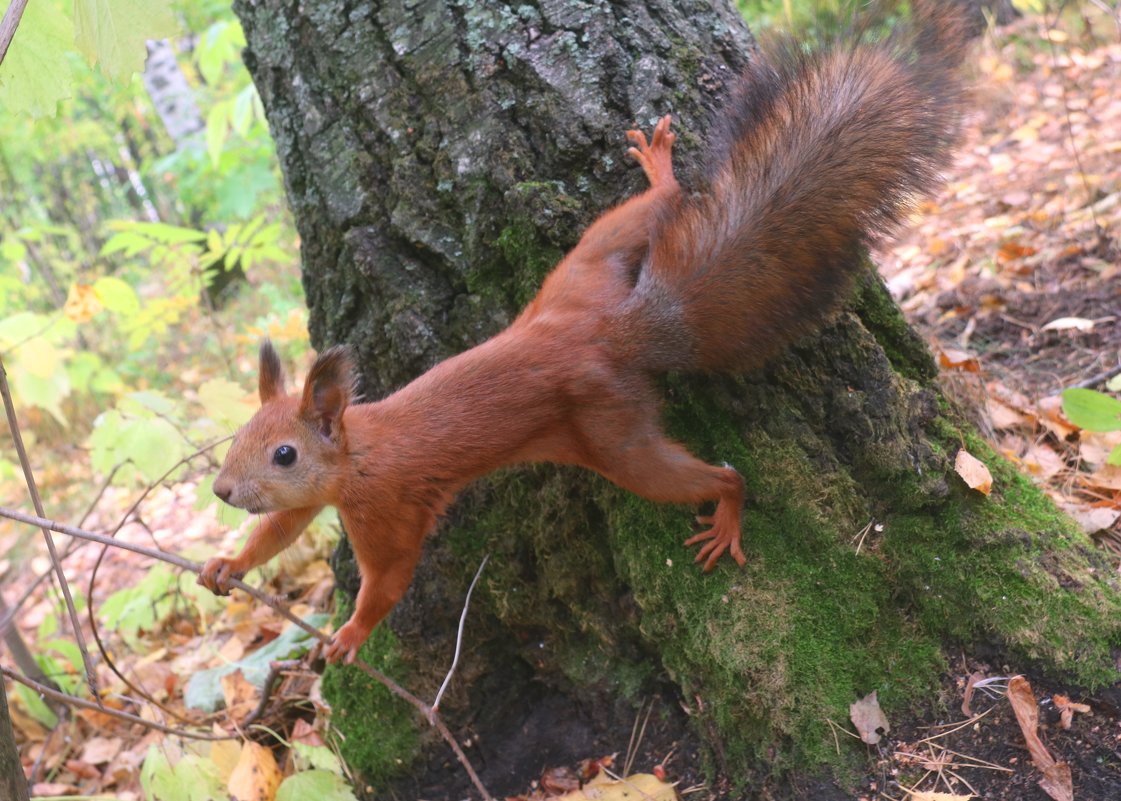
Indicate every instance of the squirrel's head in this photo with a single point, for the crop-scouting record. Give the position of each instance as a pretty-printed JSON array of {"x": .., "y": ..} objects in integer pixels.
[{"x": 293, "y": 452}]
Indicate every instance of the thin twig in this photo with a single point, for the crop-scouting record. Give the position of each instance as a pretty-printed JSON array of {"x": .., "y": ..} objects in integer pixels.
[
  {"x": 458, "y": 640},
  {"x": 37, "y": 502},
  {"x": 282, "y": 610},
  {"x": 276, "y": 667},
  {"x": 9, "y": 24},
  {"x": 82, "y": 703},
  {"x": 95, "y": 628}
]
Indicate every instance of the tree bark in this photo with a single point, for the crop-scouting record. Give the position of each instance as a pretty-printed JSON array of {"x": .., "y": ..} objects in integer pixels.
[
  {"x": 13, "y": 783},
  {"x": 439, "y": 158}
]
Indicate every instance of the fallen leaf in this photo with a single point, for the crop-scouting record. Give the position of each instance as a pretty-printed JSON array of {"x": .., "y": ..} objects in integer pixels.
[
  {"x": 1067, "y": 708},
  {"x": 99, "y": 750},
  {"x": 1056, "y": 781},
  {"x": 53, "y": 788},
  {"x": 636, "y": 787},
  {"x": 1093, "y": 520},
  {"x": 1004, "y": 416},
  {"x": 952, "y": 359},
  {"x": 1068, "y": 323},
  {"x": 867, "y": 716},
  {"x": 973, "y": 679},
  {"x": 1042, "y": 461},
  {"x": 928, "y": 796},
  {"x": 973, "y": 472},
  {"x": 256, "y": 776}
]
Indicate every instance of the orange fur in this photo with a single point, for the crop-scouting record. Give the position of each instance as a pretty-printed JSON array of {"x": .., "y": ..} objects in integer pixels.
[{"x": 824, "y": 155}]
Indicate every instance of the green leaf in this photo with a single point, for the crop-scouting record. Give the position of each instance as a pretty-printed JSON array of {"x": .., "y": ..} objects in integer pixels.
[
  {"x": 204, "y": 690},
  {"x": 1091, "y": 410},
  {"x": 242, "y": 115},
  {"x": 217, "y": 126},
  {"x": 112, "y": 33},
  {"x": 1114, "y": 457},
  {"x": 322, "y": 785},
  {"x": 141, "y": 607},
  {"x": 36, "y": 706},
  {"x": 319, "y": 757},
  {"x": 154, "y": 446},
  {"x": 193, "y": 778},
  {"x": 116, "y": 296},
  {"x": 225, "y": 402},
  {"x": 35, "y": 73}
]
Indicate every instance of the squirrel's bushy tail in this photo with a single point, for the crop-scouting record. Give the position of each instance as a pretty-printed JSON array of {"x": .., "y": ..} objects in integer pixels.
[{"x": 818, "y": 155}]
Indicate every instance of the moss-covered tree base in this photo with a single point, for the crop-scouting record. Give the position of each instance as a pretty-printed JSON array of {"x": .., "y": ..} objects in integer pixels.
[{"x": 867, "y": 556}]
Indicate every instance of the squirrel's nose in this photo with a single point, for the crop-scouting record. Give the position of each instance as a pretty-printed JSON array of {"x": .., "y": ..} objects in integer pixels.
[{"x": 223, "y": 491}]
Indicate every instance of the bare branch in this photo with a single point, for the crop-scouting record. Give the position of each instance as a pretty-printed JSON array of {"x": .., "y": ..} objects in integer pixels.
[
  {"x": 195, "y": 567},
  {"x": 458, "y": 641},
  {"x": 9, "y": 24},
  {"x": 33, "y": 490},
  {"x": 82, "y": 703}
]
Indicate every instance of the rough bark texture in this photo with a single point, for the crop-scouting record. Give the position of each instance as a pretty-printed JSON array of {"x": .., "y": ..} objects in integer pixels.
[
  {"x": 13, "y": 784},
  {"x": 439, "y": 157}
]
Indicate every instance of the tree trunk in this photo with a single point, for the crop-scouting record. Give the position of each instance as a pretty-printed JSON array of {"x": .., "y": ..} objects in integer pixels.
[
  {"x": 13, "y": 783},
  {"x": 440, "y": 157}
]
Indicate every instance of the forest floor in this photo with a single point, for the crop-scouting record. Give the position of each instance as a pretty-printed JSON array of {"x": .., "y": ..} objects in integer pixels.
[{"x": 1012, "y": 275}]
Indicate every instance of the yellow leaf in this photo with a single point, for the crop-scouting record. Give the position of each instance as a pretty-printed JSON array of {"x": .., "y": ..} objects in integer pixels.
[
  {"x": 256, "y": 776},
  {"x": 82, "y": 303},
  {"x": 973, "y": 472}
]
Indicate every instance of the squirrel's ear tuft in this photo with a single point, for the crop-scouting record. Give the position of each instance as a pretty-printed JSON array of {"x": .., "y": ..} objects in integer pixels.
[
  {"x": 329, "y": 389},
  {"x": 270, "y": 380}
]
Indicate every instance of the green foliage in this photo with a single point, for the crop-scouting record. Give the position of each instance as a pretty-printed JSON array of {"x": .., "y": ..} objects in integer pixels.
[
  {"x": 141, "y": 607},
  {"x": 204, "y": 690},
  {"x": 318, "y": 784},
  {"x": 192, "y": 778},
  {"x": 41, "y": 66},
  {"x": 1094, "y": 411}
]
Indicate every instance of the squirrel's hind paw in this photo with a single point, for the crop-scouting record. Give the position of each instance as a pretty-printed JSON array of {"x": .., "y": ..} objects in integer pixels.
[{"x": 720, "y": 538}]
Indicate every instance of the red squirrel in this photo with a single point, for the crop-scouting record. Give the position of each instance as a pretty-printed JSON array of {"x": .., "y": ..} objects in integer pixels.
[{"x": 816, "y": 157}]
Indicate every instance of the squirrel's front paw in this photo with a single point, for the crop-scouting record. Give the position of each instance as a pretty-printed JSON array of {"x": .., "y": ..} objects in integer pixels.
[
  {"x": 346, "y": 642},
  {"x": 217, "y": 573}
]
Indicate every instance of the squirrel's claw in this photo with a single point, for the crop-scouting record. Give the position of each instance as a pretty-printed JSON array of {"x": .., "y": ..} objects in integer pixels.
[
  {"x": 216, "y": 575},
  {"x": 655, "y": 157},
  {"x": 345, "y": 644},
  {"x": 717, "y": 539}
]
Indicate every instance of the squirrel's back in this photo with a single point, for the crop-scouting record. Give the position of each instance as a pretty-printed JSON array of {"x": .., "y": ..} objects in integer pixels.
[{"x": 817, "y": 156}]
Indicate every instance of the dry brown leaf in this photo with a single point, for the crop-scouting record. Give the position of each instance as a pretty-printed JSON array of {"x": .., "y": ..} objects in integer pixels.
[
  {"x": 256, "y": 776},
  {"x": 53, "y": 788},
  {"x": 99, "y": 750},
  {"x": 1105, "y": 477},
  {"x": 973, "y": 472},
  {"x": 1091, "y": 519},
  {"x": 968, "y": 699},
  {"x": 1067, "y": 708},
  {"x": 1051, "y": 415},
  {"x": 240, "y": 694},
  {"x": 1002, "y": 416},
  {"x": 952, "y": 359},
  {"x": 636, "y": 787},
  {"x": 923, "y": 795},
  {"x": 1042, "y": 461},
  {"x": 1056, "y": 781},
  {"x": 867, "y": 716}
]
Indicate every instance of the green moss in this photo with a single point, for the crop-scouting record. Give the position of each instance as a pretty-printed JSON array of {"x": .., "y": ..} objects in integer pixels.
[
  {"x": 905, "y": 349},
  {"x": 376, "y": 732}
]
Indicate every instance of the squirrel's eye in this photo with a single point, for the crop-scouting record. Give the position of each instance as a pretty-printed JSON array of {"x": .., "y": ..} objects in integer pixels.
[{"x": 284, "y": 455}]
